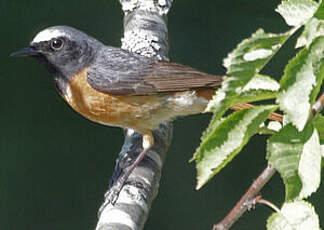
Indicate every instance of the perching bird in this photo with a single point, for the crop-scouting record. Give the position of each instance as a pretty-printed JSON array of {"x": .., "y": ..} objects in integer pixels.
[{"x": 114, "y": 87}]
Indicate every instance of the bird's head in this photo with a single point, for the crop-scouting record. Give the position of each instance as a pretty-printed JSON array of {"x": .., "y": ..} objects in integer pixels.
[{"x": 62, "y": 49}]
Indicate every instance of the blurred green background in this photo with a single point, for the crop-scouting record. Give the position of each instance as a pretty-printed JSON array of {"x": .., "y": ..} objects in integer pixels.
[{"x": 55, "y": 165}]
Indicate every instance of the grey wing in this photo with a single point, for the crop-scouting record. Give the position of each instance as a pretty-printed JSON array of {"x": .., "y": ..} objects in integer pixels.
[
  {"x": 119, "y": 72},
  {"x": 116, "y": 71}
]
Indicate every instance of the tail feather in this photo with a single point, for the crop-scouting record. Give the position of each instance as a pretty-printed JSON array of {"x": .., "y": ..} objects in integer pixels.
[
  {"x": 208, "y": 93},
  {"x": 272, "y": 116}
]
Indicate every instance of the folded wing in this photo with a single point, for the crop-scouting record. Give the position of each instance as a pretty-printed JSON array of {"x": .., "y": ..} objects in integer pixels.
[{"x": 118, "y": 72}]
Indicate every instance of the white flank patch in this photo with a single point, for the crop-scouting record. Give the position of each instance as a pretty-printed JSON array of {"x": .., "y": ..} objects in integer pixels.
[
  {"x": 47, "y": 35},
  {"x": 185, "y": 99}
]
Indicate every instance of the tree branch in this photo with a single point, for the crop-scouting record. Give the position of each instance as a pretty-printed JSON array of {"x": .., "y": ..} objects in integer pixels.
[
  {"x": 247, "y": 200},
  {"x": 145, "y": 32}
]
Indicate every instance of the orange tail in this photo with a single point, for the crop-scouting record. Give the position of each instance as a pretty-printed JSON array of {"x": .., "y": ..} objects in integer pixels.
[
  {"x": 208, "y": 94},
  {"x": 273, "y": 116}
]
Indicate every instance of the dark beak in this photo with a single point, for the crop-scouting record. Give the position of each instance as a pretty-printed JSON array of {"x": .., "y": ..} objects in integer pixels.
[{"x": 28, "y": 51}]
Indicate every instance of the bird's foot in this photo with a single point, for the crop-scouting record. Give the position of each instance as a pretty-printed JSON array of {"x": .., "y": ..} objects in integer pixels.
[{"x": 111, "y": 196}]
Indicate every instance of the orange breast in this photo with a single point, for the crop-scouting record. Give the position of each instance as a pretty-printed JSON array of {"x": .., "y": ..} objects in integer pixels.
[
  {"x": 123, "y": 111},
  {"x": 142, "y": 113}
]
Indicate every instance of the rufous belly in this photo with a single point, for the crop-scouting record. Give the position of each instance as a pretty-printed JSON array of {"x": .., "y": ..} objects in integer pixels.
[{"x": 142, "y": 113}]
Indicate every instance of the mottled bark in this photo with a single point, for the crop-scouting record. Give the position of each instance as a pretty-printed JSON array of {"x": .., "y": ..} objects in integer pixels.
[{"x": 145, "y": 32}]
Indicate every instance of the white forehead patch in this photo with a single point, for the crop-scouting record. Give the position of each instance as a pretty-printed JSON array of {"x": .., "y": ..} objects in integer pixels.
[{"x": 47, "y": 35}]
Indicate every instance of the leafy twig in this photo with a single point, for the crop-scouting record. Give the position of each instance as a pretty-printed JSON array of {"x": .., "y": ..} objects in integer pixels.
[{"x": 253, "y": 191}]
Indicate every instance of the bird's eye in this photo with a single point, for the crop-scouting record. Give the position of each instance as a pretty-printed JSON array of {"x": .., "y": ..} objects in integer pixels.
[{"x": 57, "y": 44}]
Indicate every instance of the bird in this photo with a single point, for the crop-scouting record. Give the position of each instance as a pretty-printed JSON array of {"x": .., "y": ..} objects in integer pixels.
[{"x": 114, "y": 87}]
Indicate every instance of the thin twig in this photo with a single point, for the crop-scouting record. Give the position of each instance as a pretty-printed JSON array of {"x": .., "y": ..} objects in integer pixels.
[
  {"x": 268, "y": 203},
  {"x": 319, "y": 105},
  {"x": 245, "y": 201}
]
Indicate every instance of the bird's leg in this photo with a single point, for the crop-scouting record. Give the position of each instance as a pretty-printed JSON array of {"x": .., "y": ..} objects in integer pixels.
[
  {"x": 147, "y": 142},
  {"x": 113, "y": 193}
]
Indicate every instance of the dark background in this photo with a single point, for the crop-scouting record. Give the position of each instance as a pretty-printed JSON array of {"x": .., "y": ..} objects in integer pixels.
[{"x": 55, "y": 165}]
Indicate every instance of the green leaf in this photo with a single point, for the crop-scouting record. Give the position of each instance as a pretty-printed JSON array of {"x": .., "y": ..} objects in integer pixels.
[
  {"x": 223, "y": 98},
  {"x": 322, "y": 147},
  {"x": 297, "y": 12},
  {"x": 259, "y": 88},
  {"x": 297, "y": 157},
  {"x": 309, "y": 168},
  {"x": 320, "y": 11},
  {"x": 313, "y": 29},
  {"x": 250, "y": 56},
  {"x": 261, "y": 82},
  {"x": 243, "y": 64},
  {"x": 229, "y": 136},
  {"x": 318, "y": 122},
  {"x": 214, "y": 122},
  {"x": 298, "y": 215},
  {"x": 301, "y": 83}
]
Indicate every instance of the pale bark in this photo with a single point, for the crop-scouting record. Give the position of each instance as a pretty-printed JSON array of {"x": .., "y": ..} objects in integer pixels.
[{"x": 145, "y": 32}]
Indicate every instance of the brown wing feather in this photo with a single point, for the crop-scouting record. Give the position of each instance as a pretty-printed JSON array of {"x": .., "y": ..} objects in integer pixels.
[
  {"x": 119, "y": 72},
  {"x": 170, "y": 77}
]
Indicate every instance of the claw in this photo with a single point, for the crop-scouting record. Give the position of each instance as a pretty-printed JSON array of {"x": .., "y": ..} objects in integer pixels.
[{"x": 111, "y": 197}]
